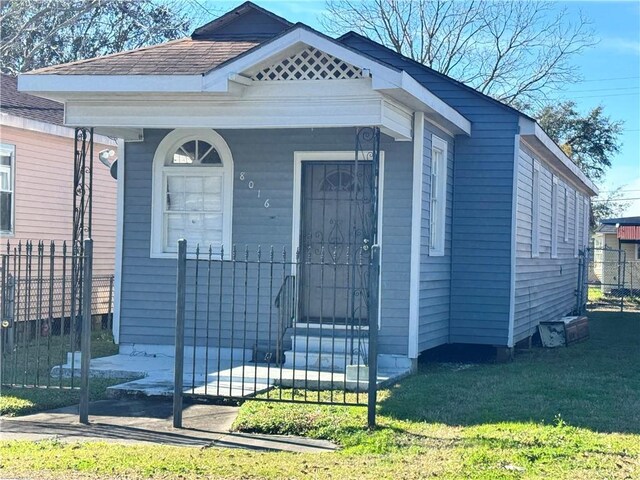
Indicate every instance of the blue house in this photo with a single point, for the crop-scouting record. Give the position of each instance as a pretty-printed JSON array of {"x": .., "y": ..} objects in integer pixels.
[{"x": 256, "y": 131}]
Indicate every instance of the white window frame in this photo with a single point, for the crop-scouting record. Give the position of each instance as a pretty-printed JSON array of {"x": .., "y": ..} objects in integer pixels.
[
  {"x": 167, "y": 146},
  {"x": 585, "y": 228},
  {"x": 438, "y": 214},
  {"x": 9, "y": 149},
  {"x": 566, "y": 214},
  {"x": 554, "y": 216},
  {"x": 535, "y": 210},
  {"x": 576, "y": 224},
  {"x": 637, "y": 252}
]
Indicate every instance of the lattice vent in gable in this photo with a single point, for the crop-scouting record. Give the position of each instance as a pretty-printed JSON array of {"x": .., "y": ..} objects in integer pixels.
[{"x": 309, "y": 64}]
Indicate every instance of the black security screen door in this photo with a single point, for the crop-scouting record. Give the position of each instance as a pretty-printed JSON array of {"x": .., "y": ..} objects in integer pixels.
[{"x": 337, "y": 228}]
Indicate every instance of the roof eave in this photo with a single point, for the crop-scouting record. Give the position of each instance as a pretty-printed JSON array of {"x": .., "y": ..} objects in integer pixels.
[
  {"x": 532, "y": 132},
  {"x": 55, "y": 86}
]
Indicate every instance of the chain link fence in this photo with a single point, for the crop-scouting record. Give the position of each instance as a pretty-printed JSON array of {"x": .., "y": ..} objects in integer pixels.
[{"x": 613, "y": 280}]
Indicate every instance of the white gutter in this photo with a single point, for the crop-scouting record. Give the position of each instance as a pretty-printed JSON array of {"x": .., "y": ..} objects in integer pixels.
[{"x": 530, "y": 130}]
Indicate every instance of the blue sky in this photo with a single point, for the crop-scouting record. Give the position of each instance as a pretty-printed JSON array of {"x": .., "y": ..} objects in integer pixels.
[{"x": 610, "y": 74}]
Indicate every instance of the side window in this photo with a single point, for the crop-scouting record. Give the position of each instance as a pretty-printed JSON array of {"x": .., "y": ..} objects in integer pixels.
[
  {"x": 438, "y": 196},
  {"x": 566, "y": 214},
  {"x": 576, "y": 225},
  {"x": 535, "y": 211},
  {"x": 7, "y": 188},
  {"x": 554, "y": 217}
]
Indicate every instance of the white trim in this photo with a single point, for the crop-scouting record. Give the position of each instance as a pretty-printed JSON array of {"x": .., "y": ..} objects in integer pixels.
[
  {"x": 174, "y": 139},
  {"x": 513, "y": 246},
  {"x": 117, "y": 274},
  {"x": 554, "y": 216},
  {"x": 384, "y": 78},
  {"x": 535, "y": 209},
  {"x": 438, "y": 143},
  {"x": 15, "y": 121},
  {"x": 11, "y": 148},
  {"x": 566, "y": 214},
  {"x": 416, "y": 236},
  {"x": 52, "y": 85},
  {"x": 300, "y": 156},
  {"x": 286, "y": 104},
  {"x": 586, "y": 227},
  {"x": 576, "y": 223},
  {"x": 552, "y": 153}
]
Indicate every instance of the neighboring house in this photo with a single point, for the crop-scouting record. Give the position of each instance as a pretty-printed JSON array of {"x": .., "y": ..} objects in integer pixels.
[
  {"x": 36, "y": 175},
  {"x": 481, "y": 215},
  {"x": 616, "y": 254}
]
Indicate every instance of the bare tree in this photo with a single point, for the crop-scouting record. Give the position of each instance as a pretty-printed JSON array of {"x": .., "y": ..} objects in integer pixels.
[
  {"x": 515, "y": 51},
  {"x": 38, "y": 33}
]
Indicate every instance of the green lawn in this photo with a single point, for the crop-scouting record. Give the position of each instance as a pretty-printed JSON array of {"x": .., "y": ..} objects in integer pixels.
[
  {"x": 570, "y": 413},
  {"x": 20, "y": 400}
]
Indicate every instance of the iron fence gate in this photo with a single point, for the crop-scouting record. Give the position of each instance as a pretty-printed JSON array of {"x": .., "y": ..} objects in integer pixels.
[
  {"x": 239, "y": 333},
  {"x": 46, "y": 311},
  {"x": 613, "y": 279}
]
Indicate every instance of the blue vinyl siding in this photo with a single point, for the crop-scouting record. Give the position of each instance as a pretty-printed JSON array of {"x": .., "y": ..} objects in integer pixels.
[
  {"x": 266, "y": 157},
  {"x": 435, "y": 271},
  {"x": 545, "y": 286},
  {"x": 483, "y": 176}
]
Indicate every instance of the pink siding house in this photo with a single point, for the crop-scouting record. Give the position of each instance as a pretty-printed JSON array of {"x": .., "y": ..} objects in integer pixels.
[{"x": 36, "y": 178}]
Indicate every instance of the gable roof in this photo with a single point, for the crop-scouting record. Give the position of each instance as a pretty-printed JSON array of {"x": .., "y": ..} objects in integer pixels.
[
  {"x": 23, "y": 105},
  {"x": 529, "y": 129},
  {"x": 351, "y": 34},
  {"x": 263, "y": 24}
]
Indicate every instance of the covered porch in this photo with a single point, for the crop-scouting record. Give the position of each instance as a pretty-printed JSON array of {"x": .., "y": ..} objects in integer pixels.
[{"x": 287, "y": 165}]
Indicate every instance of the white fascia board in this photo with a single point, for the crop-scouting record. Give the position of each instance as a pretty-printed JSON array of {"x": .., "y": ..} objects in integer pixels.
[
  {"x": 51, "y": 84},
  {"x": 530, "y": 130}
]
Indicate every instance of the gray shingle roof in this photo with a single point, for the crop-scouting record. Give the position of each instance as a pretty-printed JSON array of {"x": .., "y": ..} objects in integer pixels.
[
  {"x": 28, "y": 106},
  {"x": 178, "y": 57}
]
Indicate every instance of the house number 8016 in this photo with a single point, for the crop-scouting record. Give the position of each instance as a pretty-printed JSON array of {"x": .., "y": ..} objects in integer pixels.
[{"x": 251, "y": 185}]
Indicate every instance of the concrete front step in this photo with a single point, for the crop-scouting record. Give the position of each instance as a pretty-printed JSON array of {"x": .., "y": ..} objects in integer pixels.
[
  {"x": 327, "y": 344},
  {"x": 318, "y": 361}
]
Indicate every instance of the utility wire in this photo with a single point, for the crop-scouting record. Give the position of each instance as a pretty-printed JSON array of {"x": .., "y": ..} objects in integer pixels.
[{"x": 607, "y": 79}]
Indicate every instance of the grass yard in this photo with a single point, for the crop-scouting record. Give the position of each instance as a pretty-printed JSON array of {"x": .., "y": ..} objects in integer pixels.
[
  {"x": 570, "y": 413},
  {"x": 594, "y": 294},
  {"x": 15, "y": 401}
]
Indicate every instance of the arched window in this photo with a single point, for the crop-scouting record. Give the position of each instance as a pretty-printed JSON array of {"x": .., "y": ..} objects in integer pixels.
[{"x": 192, "y": 192}]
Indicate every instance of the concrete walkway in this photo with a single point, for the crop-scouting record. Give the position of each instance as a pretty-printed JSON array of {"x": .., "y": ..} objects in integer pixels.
[{"x": 144, "y": 421}]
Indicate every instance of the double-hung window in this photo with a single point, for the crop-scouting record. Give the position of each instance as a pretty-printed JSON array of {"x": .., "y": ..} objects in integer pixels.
[
  {"x": 192, "y": 193},
  {"x": 438, "y": 196},
  {"x": 7, "y": 190},
  {"x": 535, "y": 211},
  {"x": 566, "y": 214},
  {"x": 554, "y": 217}
]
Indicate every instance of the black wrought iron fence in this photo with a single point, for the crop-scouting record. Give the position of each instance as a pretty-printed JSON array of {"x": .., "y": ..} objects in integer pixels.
[
  {"x": 42, "y": 305},
  {"x": 275, "y": 327}
]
